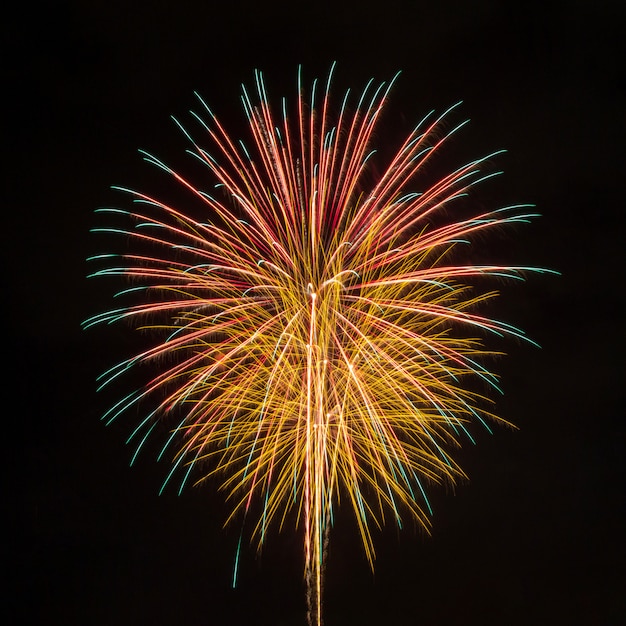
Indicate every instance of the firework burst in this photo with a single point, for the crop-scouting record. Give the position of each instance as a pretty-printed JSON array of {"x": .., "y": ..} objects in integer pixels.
[{"x": 319, "y": 335}]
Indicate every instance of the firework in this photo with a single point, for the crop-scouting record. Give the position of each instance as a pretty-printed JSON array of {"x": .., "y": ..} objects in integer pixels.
[{"x": 314, "y": 336}]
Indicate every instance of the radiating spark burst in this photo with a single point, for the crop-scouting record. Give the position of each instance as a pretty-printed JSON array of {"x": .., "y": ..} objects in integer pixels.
[{"x": 319, "y": 333}]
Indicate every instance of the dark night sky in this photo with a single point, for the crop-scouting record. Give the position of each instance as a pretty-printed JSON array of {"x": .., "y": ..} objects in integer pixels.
[{"x": 536, "y": 537}]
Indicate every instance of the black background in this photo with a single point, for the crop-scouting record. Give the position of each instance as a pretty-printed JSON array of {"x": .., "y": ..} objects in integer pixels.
[{"x": 536, "y": 537}]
